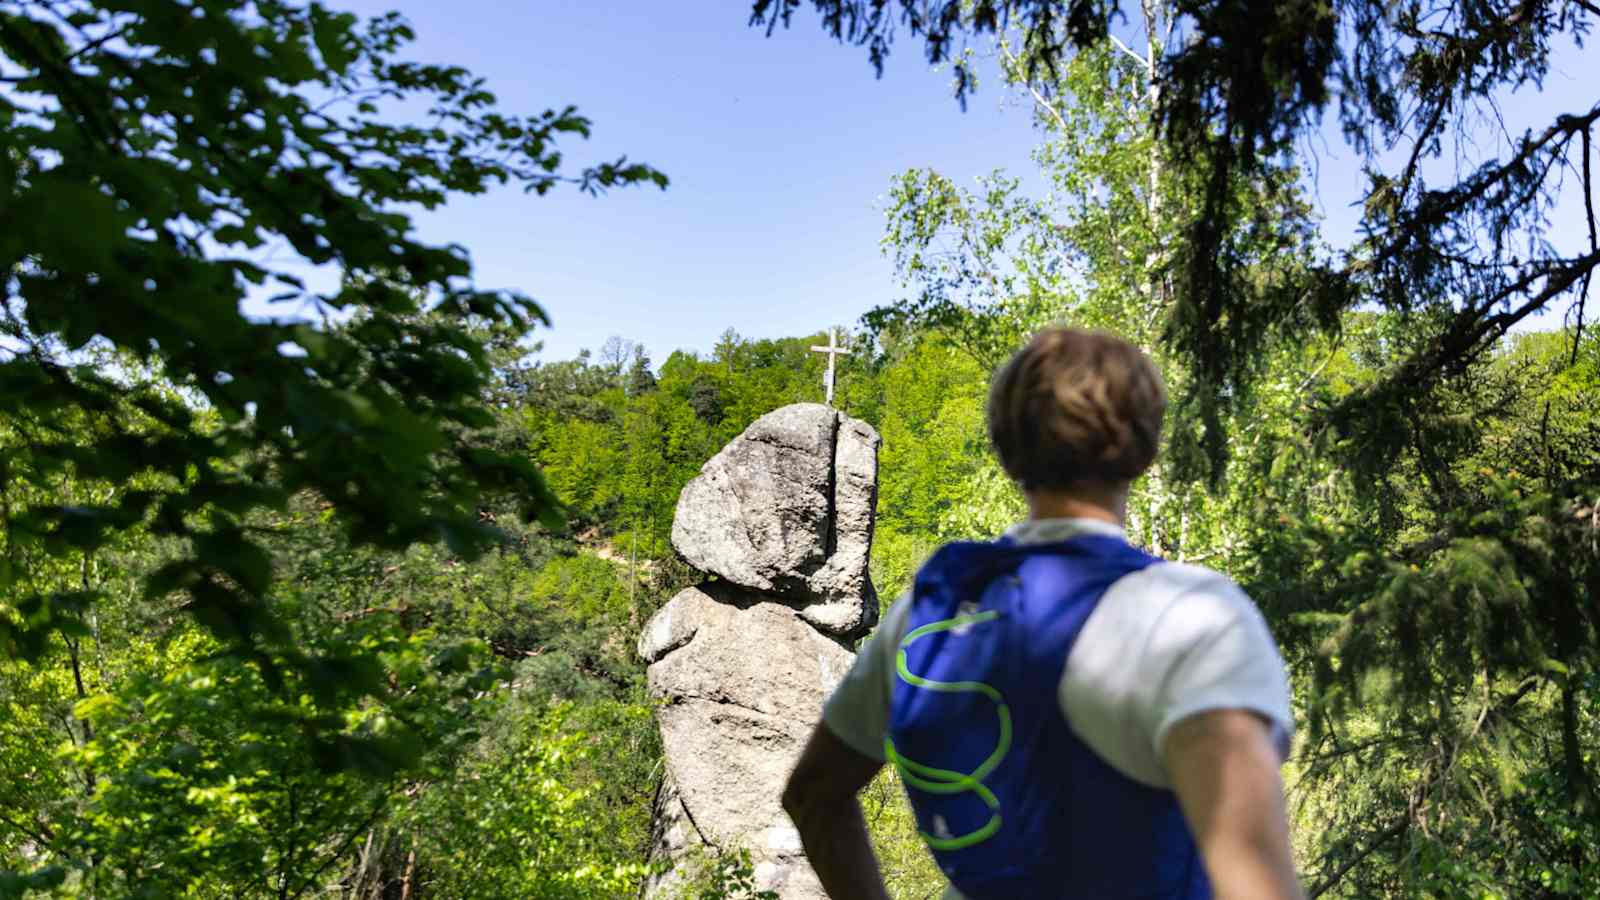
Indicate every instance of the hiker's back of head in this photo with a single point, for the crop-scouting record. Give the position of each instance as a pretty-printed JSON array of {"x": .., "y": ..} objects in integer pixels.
[{"x": 1076, "y": 407}]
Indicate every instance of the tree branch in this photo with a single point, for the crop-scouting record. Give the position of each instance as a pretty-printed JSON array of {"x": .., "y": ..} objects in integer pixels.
[
  {"x": 1580, "y": 785},
  {"x": 1557, "y": 281},
  {"x": 66, "y": 84},
  {"x": 1594, "y": 241},
  {"x": 42, "y": 837},
  {"x": 365, "y": 825},
  {"x": 1143, "y": 62},
  {"x": 1383, "y": 837},
  {"x": 1472, "y": 328},
  {"x": 1038, "y": 97},
  {"x": 1348, "y": 749},
  {"x": 1416, "y": 150},
  {"x": 95, "y": 44},
  {"x": 1565, "y": 125}
]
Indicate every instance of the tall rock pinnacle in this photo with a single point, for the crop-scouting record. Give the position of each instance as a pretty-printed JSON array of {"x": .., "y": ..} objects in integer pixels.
[{"x": 782, "y": 519}]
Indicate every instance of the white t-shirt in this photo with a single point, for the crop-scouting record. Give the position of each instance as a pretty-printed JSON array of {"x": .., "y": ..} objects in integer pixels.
[{"x": 1164, "y": 643}]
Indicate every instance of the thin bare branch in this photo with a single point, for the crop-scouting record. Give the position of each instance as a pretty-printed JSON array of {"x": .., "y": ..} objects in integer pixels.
[
  {"x": 1409, "y": 177},
  {"x": 1143, "y": 62},
  {"x": 1039, "y": 98},
  {"x": 1560, "y": 275},
  {"x": 1474, "y": 329},
  {"x": 1594, "y": 241},
  {"x": 95, "y": 44}
]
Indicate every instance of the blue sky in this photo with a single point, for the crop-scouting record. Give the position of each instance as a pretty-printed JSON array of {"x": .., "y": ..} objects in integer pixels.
[{"x": 780, "y": 151}]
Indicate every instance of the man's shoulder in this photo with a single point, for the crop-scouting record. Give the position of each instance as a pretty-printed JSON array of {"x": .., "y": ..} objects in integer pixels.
[
  {"x": 1163, "y": 587},
  {"x": 1166, "y": 641},
  {"x": 1145, "y": 623},
  {"x": 896, "y": 620},
  {"x": 1146, "y": 610}
]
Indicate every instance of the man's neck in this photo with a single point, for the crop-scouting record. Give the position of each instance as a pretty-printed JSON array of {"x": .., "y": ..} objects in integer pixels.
[{"x": 1105, "y": 502}]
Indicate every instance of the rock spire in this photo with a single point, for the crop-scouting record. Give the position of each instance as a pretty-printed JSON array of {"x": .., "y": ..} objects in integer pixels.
[{"x": 781, "y": 522}]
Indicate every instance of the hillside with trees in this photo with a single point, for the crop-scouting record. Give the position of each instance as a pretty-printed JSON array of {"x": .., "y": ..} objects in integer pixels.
[{"x": 345, "y": 603}]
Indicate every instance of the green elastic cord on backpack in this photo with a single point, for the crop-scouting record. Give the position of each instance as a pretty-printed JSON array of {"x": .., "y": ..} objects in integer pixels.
[{"x": 944, "y": 781}]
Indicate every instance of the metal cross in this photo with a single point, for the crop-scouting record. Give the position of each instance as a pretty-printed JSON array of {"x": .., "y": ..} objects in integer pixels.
[{"x": 833, "y": 350}]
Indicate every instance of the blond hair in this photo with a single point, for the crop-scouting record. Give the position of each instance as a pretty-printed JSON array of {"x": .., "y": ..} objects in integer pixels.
[{"x": 1074, "y": 407}]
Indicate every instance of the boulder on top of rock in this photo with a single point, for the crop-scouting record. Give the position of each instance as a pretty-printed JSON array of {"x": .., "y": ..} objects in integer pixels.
[
  {"x": 758, "y": 512},
  {"x": 787, "y": 508}
]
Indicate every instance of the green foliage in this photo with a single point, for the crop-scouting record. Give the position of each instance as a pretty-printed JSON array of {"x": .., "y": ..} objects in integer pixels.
[
  {"x": 459, "y": 725},
  {"x": 187, "y": 774},
  {"x": 986, "y": 269},
  {"x": 1457, "y": 232},
  {"x": 908, "y": 868},
  {"x": 222, "y": 668},
  {"x": 153, "y": 764},
  {"x": 149, "y": 154},
  {"x": 618, "y": 455},
  {"x": 1421, "y": 772},
  {"x": 204, "y": 784},
  {"x": 719, "y": 875},
  {"x": 539, "y": 812},
  {"x": 935, "y": 442},
  {"x": 1440, "y": 611}
]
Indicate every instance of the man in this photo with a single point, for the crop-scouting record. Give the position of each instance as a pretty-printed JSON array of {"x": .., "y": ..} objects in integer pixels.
[{"x": 1072, "y": 717}]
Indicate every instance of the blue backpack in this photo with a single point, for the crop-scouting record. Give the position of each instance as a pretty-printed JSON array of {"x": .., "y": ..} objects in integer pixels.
[{"x": 1012, "y": 803}]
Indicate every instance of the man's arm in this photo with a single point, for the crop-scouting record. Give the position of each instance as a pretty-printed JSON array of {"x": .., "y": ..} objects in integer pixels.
[
  {"x": 821, "y": 800},
  {"x": 1224, "y": 768}
]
